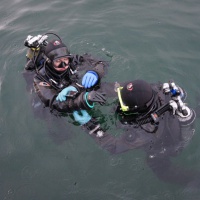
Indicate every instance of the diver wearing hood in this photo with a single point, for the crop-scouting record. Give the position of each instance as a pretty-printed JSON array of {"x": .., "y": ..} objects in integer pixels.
[
  {"x": 152, "y": 117},
  {"x": 56, "y": 69}
]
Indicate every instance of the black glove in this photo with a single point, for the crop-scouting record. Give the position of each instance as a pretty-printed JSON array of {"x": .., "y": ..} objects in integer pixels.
[
  {"x": 95, "y": 96},
  {"x": 85, "y": 101}
]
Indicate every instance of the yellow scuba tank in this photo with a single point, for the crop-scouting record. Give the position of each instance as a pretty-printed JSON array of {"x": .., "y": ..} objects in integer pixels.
[{"x": 31, "y": 52}]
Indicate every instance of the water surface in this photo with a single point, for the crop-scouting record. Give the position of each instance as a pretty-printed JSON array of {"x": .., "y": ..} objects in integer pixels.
[{"x": 153, "y": 40}]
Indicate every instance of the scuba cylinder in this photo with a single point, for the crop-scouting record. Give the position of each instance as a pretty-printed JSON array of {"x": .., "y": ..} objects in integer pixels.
[{"x": 32, "y": 53}]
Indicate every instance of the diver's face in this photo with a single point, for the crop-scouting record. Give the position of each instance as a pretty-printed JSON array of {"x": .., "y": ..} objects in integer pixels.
[{"x": 61, "y": 64}]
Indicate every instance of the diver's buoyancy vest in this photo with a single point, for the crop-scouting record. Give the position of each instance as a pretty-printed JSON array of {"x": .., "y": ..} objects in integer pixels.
[{"x": 57, "y": 82}]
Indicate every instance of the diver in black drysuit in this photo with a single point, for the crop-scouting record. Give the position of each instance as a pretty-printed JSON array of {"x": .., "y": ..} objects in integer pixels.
[
  {"x": 48, "y": 79},
  {"x": 152, "y": 117}
]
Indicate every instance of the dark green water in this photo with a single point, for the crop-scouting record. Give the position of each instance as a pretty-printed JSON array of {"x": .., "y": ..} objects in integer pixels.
[{"x": 155, "y": 40}]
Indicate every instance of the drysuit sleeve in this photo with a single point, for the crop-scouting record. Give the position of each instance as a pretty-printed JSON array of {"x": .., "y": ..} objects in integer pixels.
[
  {"x": 82, "y": 100},
  {"x": 94, "y": 64},
  {"x": 88, "y": 63},
  {"x": 129, "y": 139},
  {"x": 99, "y": 68}
]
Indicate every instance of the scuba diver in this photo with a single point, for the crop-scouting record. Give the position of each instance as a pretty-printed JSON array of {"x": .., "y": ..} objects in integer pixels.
[
  {"x": 62, "y": 81},
  {"x": 57, "y": 71},
  {"x": 155, "y": 118}
]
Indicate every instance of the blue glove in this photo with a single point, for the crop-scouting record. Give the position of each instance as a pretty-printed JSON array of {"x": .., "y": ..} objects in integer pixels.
[
  {"x": 82, "y": 119},
  {"x": 62, "y": 95},
  {"x": 90, "y": 79}
]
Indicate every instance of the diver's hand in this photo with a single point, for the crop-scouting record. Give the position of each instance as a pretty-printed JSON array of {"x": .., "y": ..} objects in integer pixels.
[
  {"x": 62, "y": 95},
  {"x": 82, "y": 118},
  {"x": 89, "y": 79},
  {"x": 95, "y": 96}
]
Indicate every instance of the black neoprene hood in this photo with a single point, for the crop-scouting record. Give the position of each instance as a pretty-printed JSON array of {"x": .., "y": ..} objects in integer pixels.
[
  {"x": 56, "y": 49},
  {"x": 137, "y": 94}
]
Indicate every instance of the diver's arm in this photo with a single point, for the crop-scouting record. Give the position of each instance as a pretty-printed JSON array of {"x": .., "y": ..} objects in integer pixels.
[
  {"x": 71, "y": 104},
  {"x": 114, "y": 145},
  {"x": 94, "y": 64},
  {"x": 90, "y": 71},
  {"x": 69, "y": 100},
  {"x": 99, "y": 68},
  {"x": 79, "y": 100},
  {"x": 104, "y": 140},
  {"x": 48, "y": 95}
]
